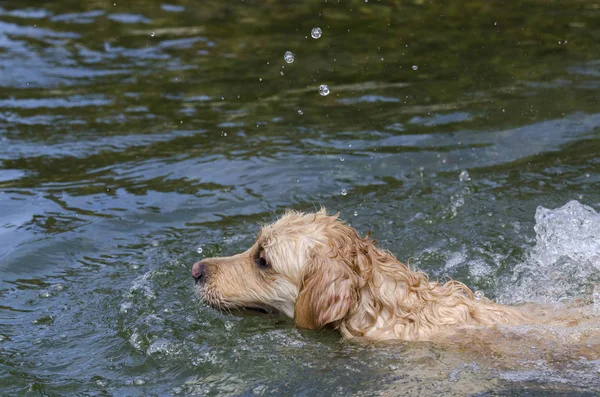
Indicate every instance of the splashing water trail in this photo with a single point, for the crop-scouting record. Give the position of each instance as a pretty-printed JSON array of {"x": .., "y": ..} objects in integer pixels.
[{"x": 565, "y": 262}]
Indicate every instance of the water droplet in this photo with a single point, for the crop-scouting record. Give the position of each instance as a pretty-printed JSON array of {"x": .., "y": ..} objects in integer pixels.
[
  {"x": 152, "y": 34},
  {"x": 300, "y": 112},
  {"x": 315, "y": 33},
  {"x": 199, "y": 250},
  {"x": 464, "y": 176},
  {"x": 344, "y": 192},
  {"x": 323, "y": 90},
  {"x": 288, "y": 56},
  {"x": 587, "y": 174},
  {"x": 415, "y": 67},
  {"x": 355, "y": 213},
  {"x": 342, "y": 159},
  {"x": 479, "y": 295},
  {"x": 260, "y": 79}
]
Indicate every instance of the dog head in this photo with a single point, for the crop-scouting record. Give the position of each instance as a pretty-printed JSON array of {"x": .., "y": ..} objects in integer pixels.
[{"x": 307, "y": 266}]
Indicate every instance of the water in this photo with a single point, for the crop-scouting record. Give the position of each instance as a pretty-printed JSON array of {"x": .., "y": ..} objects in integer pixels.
[
  {"x": 133, "y": 134},
  {"x": 324, "y": 90},
  {"x": 316, "y": 33},
  {"x": 288, "y": 56}
]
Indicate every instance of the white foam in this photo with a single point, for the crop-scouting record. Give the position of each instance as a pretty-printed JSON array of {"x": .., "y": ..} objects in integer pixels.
[{"x": 565, "y": 261}]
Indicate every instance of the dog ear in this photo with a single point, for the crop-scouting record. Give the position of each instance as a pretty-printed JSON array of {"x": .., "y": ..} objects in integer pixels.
[{"x": 327, "y": 292}]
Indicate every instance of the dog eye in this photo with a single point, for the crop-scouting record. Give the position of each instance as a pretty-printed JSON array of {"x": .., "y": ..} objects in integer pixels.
[{"x": 260, "y": 260}]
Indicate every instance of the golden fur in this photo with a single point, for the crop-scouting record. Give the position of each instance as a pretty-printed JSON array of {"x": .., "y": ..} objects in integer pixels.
[{"x": 320, "y": 272}]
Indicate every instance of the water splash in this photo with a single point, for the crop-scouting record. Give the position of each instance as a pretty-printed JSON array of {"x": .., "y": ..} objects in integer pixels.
[{"x": 565, "y": 261}]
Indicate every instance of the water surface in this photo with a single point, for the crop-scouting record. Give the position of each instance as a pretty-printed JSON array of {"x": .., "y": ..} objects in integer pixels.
[{"x": 134, "y": 133}]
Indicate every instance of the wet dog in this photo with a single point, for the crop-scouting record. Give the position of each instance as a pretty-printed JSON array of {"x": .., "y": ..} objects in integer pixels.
[{"x": 320, "y": 272}]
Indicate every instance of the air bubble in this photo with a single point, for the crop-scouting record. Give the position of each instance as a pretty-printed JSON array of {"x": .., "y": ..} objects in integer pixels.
[
  {"x": 355, "y": 213},
  {"x": 344, "y": 192},
  {"x": 323, "y": 90},
  {"x": 315, "y": 33},
  {"x": 479, "y": 295},
  {"x": 288, "y": 56},
  {"x": 415, "y": 67},
  {"x": 342, "y": 159},
  {"x": 199, "y": 250},
  {"x": 45, "y": 294},
  {"x": 152, "y": 34},
  {"x": 300, "y": 112}
]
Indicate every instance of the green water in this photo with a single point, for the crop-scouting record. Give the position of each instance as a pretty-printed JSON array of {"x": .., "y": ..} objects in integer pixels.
[{"x": 134, "y": 133}]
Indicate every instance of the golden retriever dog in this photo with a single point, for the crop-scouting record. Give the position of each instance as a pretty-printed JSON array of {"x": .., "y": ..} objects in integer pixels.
[{"x": 320, "y": 272}]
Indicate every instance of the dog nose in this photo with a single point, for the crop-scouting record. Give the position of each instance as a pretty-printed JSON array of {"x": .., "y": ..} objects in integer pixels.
[{"x": 199, "y": 272}]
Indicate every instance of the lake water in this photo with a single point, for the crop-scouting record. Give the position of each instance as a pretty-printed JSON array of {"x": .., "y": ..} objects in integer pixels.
[{"x": 133, "y": 135}]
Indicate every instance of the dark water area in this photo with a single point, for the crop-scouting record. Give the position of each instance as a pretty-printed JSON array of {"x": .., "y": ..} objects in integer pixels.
[{"x": 139, "y": 137}]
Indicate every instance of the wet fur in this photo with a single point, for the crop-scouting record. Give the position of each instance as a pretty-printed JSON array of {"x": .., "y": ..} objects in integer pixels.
[{"x": 322, "y": 273}]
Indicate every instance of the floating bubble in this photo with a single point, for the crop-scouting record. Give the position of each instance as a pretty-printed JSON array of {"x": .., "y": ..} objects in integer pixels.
[
  {"x": 355, "y": 213},
  {"x": 415, "y": 67},
  {"x": 342, "y": 159},
  {"x": 152, "y": 34},
  {"x": 199, "y": 250},
  {"x": 139, "y": 381},
  {"x": 45, "y": 294},
  {"x": 101, "y": 382},
  {"x": 315, "y": 33},
  {"x": 344, "y": 192},
  {"x": 464, "y": 176},
  {"x": 288, "y": 56},
  {"x": 479, "y": 295},
  {"x": 323, "y": 90},
  {"x": 300, "y": 112}
]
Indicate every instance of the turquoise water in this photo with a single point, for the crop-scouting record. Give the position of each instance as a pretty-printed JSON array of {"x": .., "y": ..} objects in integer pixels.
[{"x": 133, "y": 134}]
